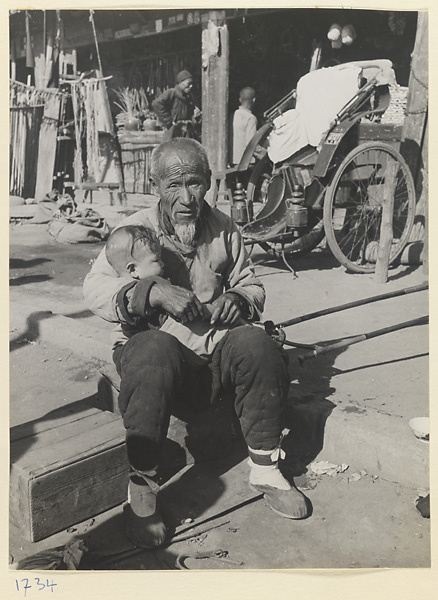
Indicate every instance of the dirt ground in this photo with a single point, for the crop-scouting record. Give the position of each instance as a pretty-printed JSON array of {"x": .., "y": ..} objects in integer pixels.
[{"x": 359, "y": 520}]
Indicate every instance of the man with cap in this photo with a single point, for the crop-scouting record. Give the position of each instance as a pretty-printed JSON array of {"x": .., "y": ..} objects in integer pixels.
[{"x": 175, "y": 107}]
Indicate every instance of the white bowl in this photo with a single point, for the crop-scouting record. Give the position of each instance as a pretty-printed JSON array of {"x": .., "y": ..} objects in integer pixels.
[{"x": 420, "y": 427}]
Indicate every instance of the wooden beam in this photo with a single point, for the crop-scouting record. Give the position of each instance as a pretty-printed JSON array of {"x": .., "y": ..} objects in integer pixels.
[
  {"x": 417, "y": 101},
  {"x": 386, "y": 230},
  {"x": 215, "y": 75},
  {"x": 414, "y": 136}
]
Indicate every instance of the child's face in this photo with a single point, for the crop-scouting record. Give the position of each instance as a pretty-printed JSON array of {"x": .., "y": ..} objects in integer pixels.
[{"x": 147, "y": 263}]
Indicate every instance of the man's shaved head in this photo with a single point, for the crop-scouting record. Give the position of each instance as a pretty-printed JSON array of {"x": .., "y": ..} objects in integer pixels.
[{"x": 183, "y": 149}]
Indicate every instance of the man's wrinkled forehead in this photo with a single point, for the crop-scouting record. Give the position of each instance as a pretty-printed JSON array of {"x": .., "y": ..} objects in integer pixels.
[{"x": 180, "y": 161}]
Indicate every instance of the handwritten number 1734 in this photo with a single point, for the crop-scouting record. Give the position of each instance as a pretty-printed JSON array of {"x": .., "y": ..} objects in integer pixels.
[{"x": 36, "y": 583}]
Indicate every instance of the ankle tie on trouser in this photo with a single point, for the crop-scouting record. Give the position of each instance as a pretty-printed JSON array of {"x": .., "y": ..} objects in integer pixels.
[{"x": 269, "y": 457}]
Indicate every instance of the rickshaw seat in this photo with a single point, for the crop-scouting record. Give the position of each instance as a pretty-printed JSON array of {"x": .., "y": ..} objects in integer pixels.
[{"x": 315, "y": 111}]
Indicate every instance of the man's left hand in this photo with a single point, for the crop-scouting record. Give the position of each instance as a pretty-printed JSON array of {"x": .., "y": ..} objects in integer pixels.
[{"x": 225, "y": 310}]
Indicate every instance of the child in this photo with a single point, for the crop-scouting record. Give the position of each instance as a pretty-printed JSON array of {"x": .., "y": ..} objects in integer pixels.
[
  {"x": 244, "y": 124},
  {"x": 134, "y": 251}
]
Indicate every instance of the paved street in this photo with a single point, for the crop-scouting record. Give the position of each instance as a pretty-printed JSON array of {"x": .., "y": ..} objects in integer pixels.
[{"x": 356, "y": 404}]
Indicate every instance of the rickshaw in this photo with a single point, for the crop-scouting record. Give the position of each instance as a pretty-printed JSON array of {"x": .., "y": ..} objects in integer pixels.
[{"x": 329, "y": 185}]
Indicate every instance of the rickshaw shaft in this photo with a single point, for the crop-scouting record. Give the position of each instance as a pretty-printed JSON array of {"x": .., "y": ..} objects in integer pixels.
[{"x": 333, "y": 309}]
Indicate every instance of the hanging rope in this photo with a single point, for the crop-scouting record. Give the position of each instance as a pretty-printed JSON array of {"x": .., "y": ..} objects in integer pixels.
[{"x": 95, "y": 40}]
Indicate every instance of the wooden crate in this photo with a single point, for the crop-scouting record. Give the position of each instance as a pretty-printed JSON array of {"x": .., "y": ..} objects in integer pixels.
[
  {"x": 136, "y": 149},
  {"x": 65, "y": 470}
]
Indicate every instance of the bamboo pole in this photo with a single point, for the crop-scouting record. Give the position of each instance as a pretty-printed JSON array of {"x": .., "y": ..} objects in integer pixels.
[
  {"x": 320, "y": 350},
  {"x": 355, "y": 303},
  {"x": 386, "y": 230},
  {"x": 13, "y": 61}
]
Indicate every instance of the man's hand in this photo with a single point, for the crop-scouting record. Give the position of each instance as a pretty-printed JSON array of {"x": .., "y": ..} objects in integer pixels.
[
  {"x": 225, "y": 310},
  {"x": 176, "y": 301},
  {"x": 196, "y": 115}
]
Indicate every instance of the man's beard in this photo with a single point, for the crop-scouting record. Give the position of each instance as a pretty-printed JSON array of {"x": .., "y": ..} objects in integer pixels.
[{"x": 186, "y": 232}]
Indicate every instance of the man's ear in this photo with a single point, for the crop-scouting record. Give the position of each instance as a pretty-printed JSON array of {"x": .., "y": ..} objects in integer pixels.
[
  {"x": 154, "y": 187},
  {"x": 208, "y": 179}
]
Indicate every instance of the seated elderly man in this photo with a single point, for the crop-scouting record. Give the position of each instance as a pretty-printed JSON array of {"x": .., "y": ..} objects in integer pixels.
[{"x": 205, "y": 263}]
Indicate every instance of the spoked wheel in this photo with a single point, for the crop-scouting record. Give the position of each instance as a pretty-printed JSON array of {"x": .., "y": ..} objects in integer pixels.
[{"x": 353, "y": 206}]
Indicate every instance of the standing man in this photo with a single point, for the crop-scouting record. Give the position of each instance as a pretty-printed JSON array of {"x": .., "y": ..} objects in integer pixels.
[
  {"x": 244, "y": 123},
  {"x": 205, "y": 263},
  {"x": 176, "y": 110}
]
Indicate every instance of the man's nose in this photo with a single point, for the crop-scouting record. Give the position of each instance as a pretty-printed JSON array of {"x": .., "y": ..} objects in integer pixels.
[{"x": 186, "y": 197}]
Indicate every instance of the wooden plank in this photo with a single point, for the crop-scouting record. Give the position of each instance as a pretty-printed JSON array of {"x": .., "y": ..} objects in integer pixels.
[
  {"x": 49, "y": 453},
  {"x": 68, "y": 472},
  {"x": 417, "y": 101},
  {"x": 386, "y": 132},
  {"x": 47, "y": 147},
  {"x": 414, "y": 137},
  {"x": 215, "y": 75},
  {"x": 424, "y": 201},
  {"x": 41, "y": 506},
  {"x": 64, "y": 415},
  {"x": 87, "y": 489},
  {"x": 34, "y": 120},
  {"x": 386, "y": 230},
  {"x": 136, "y": 166}
]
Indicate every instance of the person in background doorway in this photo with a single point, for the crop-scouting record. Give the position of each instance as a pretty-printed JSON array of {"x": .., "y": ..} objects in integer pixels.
[
  {"x": 176, "y": 109},
  {"x": 244, "y": 123}
]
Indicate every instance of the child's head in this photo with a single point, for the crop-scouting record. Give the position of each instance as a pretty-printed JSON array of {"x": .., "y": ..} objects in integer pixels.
[
  {"x": 134, "y": 250},
  {"x": 247, "y": 97}
]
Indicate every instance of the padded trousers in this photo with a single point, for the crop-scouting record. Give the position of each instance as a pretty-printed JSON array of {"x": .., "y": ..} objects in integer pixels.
[{"x": 158, "y": 373}]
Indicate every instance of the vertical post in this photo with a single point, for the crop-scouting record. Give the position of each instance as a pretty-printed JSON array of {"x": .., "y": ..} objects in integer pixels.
[
  {"x": 13, "y": 71},
  {"x": 215, "y": 74},
  {"x": 413, "y": 145},
  {"x": 386, "y": 232},
  {"x": 416, "y": 109},
  {"x": 424, "y": 201}
]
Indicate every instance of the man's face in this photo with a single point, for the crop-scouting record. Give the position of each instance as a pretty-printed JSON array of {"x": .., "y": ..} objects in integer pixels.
[
  {"x": 186, "y": 86},
  {"x": 182, "y": 184}
]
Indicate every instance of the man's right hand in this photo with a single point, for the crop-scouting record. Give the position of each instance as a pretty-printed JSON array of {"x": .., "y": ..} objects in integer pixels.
[{"x": 176, "y": 301}]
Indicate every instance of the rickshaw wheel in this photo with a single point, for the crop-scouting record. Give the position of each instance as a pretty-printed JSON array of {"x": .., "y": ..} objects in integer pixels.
[{"x": 353, "y": 206}]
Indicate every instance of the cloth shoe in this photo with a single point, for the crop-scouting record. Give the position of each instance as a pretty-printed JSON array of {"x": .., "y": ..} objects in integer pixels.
[
  {"x": 266, "y": 478},
  {"x": 144, "y": 525}
]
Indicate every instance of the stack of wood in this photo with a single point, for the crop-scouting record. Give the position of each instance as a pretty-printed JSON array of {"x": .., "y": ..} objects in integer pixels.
[
  {"x": 395, "y": 113},
  {"x": 34, "y": 118}
]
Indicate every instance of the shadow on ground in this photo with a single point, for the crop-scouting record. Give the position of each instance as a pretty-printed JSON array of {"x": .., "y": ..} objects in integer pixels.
[
  {"x": 20, "y": 263},
  {"x": 32, "y": 331},
  {"x": 26, "y": 279},
  {"x": 307, "y": 410}
]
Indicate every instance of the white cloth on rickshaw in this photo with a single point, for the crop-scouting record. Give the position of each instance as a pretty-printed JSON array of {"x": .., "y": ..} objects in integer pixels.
[{"x": 320, "y": 96}]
